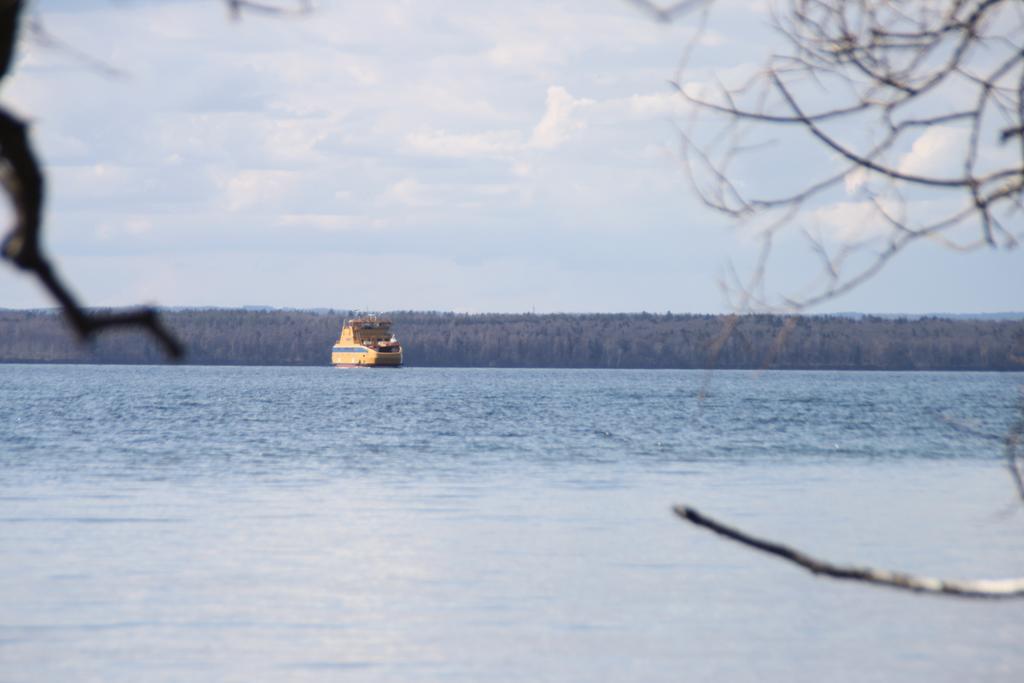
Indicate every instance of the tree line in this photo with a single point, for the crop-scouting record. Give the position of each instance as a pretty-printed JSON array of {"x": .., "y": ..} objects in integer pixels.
[{"x": 563, "y": 340}]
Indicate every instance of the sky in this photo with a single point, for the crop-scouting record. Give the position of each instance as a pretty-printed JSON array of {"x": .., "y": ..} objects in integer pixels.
[{"x": 408, "y": 155}]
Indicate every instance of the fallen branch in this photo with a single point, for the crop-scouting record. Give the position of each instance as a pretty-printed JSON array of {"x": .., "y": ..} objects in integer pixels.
[{"x": 978, "y": 588}]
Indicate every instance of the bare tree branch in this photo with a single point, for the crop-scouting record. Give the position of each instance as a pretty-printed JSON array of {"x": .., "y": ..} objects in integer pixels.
[
  {"x": 43, "y": 37},
  {"x": 863, "y": 82},
  {"x": 977, "y": 588},
  {"x": 23, "y": 182}
]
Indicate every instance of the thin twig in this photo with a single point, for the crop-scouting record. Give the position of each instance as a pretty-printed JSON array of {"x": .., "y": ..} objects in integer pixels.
[{"x": 873, "y": 65}]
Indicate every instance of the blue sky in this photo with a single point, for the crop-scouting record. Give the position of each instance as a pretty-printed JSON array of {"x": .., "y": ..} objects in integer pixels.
[{"x": 405, "y": 155}]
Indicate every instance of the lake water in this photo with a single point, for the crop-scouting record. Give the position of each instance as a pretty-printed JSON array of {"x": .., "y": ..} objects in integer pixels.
[{"x": 314, "y": 524}]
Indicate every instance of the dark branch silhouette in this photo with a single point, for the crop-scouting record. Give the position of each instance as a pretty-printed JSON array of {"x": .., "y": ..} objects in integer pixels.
[
  {"x": 969, "y": 588},
  {"x": 23, "y": 181}
]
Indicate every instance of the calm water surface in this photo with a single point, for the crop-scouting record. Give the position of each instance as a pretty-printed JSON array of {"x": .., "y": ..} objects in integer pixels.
[{"x": 313, "y": 524}]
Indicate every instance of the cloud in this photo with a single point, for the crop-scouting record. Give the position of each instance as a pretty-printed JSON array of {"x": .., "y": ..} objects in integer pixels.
[
  {"x": 99, "y": 181},
  {"x": 131, "y": 226},
  {"x": 461, "y": 127},
  {"x": 937, "y": 152},
  {"x": 558, "y": 122},
  {"x": 410, "y": 192},
  {"x": 657, "y": 105},
  {"x": 487, "y": 144},
  {"x": 522, "y": 54},
  {"x": 856, "y": 221},
  {"x": 940, "y": 152},
  {"x": 259, "y": 188},
  {"x": 327, "y": 222},
  {"x": 855, "y": 179},
  {"x": 563, "y": 116}
]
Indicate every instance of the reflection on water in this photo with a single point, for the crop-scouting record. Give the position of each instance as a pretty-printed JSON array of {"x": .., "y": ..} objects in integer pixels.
[{"x": 304, "y": 523}]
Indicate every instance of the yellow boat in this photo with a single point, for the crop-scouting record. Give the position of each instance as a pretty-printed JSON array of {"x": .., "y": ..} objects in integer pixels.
[{"x": 367, "y": 341}]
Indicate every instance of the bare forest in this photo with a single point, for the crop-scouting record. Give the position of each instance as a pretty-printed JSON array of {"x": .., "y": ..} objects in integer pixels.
[{"x": 625, "y": 340}]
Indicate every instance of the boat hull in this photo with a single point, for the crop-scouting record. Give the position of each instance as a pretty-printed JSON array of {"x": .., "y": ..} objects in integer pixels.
[{"x": 360, "y": 356}]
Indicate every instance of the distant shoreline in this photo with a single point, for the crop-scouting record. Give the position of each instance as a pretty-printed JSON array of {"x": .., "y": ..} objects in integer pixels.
[
  {"x": 847, "y": 342},
  {"x": 164, "y": 364}
]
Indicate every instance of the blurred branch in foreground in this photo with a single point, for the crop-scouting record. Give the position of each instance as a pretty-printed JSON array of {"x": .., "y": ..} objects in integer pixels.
[
  {"x": 869, "y": 125},
  {"x": 23, "y": 180},
  {"x": 969, "y": 588}
]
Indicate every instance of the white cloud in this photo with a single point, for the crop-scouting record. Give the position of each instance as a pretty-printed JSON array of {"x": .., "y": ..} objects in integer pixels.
[
  {"x": 259, "y": 188},
  {"x": 410, "y": 192},
  {"x": 559, "y": 120},
  {"x": 658, "y": 105},
  {"x": 856, "y": 221},
  {"x": 536, "y": 126},
  {"x": 855, "y": 179},
  {"x": 488, "y": 144},
  {"x": 937, "y": 152},
  {"x": 707, "y": 84},
  {"x": 563, "y": 116},
  {"x": 331, "y": 222},
  {"x": 132, "y": 226},
  {"x": 940, "y": 152},
  {"x": 522, "y": 54},
  {"x": 98, "y": 180}
]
